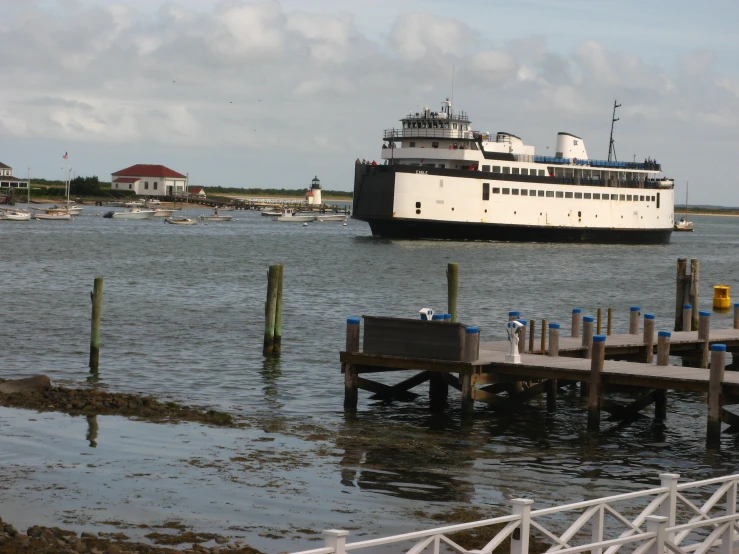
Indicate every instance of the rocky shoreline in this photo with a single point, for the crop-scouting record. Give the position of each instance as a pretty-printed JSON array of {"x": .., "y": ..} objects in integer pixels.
[{"x": 52, "y": 540}]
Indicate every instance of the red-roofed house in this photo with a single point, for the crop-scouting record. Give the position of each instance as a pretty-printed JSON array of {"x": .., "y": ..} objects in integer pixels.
[
  {"x": 196, "y": 191},
  {"x": 149, "y": 180}
]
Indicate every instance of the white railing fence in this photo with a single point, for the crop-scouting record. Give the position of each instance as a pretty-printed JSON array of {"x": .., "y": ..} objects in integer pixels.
[{"x": 674, "y": 518}]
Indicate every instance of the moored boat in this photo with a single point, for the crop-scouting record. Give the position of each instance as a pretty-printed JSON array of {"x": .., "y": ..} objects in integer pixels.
[
  {"x": 163, "y": 212},
  {"x": 442, "y": 180},
  {"x": 288, "y": 215},
  {"x": 684, "y": 225},
  {"x": 14, "y": 215},
  {"x": 181, "y": 221},
  {"x": 216, "y": 217},
  {"x": 133, "y": 213},
  {"x": 331, "y": 217}
]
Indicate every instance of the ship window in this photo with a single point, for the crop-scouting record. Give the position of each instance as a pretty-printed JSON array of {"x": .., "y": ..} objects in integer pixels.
[
  {"x": 550, "y": 193},
  {"x": 446, "y": 125},
  {"x": 455, "y": 125},
  {"x": 622, "y": 197},
  {"x": 524, "y": 192},
  {"x": 636, "y": 198},
  {"x": 532, "y": 193},
  {"x": 658, "y": 201},
  {"x": 628, "y": 198},
  {"x": 516, "y": 171},
  {"x": 514, "y": 191},
  {"x": 541, "y": 173},
  {"x": 641, "y": 199},
  {"x": 596, "y": 196},
  {"x": 524, "y": 171},
  {"x": 560, "y": 194},
  {"x": 586, "y": 196},
  {"x": 541, "y": 193},
  {"x": 506, "y": 170},
  {"x": 496, "y": 169},
  {"x": 412, "y": 145},
  {"x": 578, "y": 195},
  {"x": 506, "y": 191},
  {"x": 652, "y": 198},
  {"x": 614, "y": 197},
  {"x": 496, "y": 190},
  {"x": 486, "y": 168},
  {"x": 418, "y": 204},
  {"x": 568, "y": 195},
  {"x": 486, "y": 191}
]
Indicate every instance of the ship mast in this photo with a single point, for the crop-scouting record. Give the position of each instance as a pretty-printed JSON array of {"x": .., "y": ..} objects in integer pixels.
[{"x": 611, "y": 146}]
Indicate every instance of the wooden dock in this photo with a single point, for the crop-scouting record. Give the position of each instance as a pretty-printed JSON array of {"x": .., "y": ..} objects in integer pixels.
[{"x": 592, "y": 361}]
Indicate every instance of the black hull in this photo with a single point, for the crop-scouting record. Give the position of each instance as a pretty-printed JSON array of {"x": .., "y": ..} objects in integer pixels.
[{"x": 448, "y": 230}]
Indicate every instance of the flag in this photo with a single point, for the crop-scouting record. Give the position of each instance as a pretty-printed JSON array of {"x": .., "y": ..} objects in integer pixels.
[{"x": 65, "y": 156}]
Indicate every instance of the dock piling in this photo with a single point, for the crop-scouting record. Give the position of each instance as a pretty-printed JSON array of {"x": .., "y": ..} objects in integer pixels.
[
  {"x": 277, "y": 347},
  {"x": 543, "y": 336},
  {"x": 594, "y": 394},
  {"x": 682, "y": 271},
  {"x": 97, "y": 308},
  {"x": 687, "y": 317},
  {"x": 736, "y": 316},
  {"x": 600, "y": 321},
  {"x": 351, "y": 377},
  {"x": 532, "y": 332},
  {"x": 270, "y": 307},
  {"x": 576, "y": 321},
  {"x": 522, "y": 338},
  {"x": 663, "y": 347},
  {"x": 694, "y": 291},
  {"x": 609, "y": 331},
  {"x": 715, "y": 395},
  {"x": 452, "y": 283},
  {"x": 648, "y": 338},
  {"x": 553, "y": 339},
  {"x": 634, "y": 313},
  {"x": 704, "y": 331}
]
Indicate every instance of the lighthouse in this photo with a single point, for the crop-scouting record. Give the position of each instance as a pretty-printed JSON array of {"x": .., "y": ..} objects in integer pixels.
[{"x": 314, "y": 196}]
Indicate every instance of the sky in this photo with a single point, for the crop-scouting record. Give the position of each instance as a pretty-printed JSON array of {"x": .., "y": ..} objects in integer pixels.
[{"x": 270, "y": 94}]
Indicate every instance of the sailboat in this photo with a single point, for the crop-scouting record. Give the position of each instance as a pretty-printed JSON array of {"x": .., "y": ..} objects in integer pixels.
[
  {"x": 13, "y": 214},
  {"x": 684, "y": 224},
  {"x": 56, "y": 213}
]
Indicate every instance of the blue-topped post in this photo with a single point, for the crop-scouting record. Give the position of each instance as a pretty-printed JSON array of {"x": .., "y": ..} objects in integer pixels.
[
  {"x": 351, "y": 377},
  {"x": 663, "y": 348},
  {"x": 553, "y": 339},
  {"x": 736, "y": 316},
  {"x": 522, "y": 336},
  {"x": 634, "y": 313},
  {"x": 513, "y": 316},
  {"x": 471, "y": 344},
  {"x": 648, "y": 338},
  {"x": 687, "y": 317},
  {"x": 704, "y": 330},
  {"x": 447, "y": 318},
  {"x": 597, "y": 362},
  {"x": 438, "y": 318},
  {"x": 576, "y": 321},
  {"x": 715, "y": 395}
]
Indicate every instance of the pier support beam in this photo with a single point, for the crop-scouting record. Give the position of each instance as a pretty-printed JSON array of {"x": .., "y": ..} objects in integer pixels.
[
  {"x": 543, "y": 337},
  {"x": 553, "y": 339},
  {"x": 736, "y": 316},
  {"x": 715, "y": 395},
  {"x": 532, "y": 332},
  {"x": 599, "y": 327},
  {"x": 648, "y": 338},
  {"x": 687, "y": 316},
  {"x": 609, "y": 329},
  {"x": 663, "y": 359},
  {"x": 634, "y": 313},
  {"x": 351, "y": 378},
  {"x": 97, "y": 309},
  {"x": 468, "y": 403},
  {"x": 576, "y": 321},
  {"x": 596, "y": 370}
]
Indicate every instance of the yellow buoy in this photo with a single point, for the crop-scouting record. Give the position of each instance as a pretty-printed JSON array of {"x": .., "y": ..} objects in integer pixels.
[{"x": 721, "y": 298}]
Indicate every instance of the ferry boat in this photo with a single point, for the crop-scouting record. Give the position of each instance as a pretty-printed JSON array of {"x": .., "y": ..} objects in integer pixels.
[{"x": 440, "y": 179}]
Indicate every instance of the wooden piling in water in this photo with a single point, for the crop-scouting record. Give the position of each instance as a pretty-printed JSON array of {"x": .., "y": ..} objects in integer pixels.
[
  {"x": 715, "y": 395},
  {"x": 97, "y": 309},
  {"x": 663, "y": 359},
  {"x": 694, "y": 291},
  {"x": 553, "y": 339},
  {"x": 576, "y": 322},
  {"x": 687, "y": 317},
  {"x": 532, "y": 332},
  {"x": 736, "y": 316},
  {"x": 682, "y": 270},
  {"x": 648, "y": 338},
  {"x": 600, "y": 321},
  {"x": 277, "y": 345},
  {"x": 543, "y": 343},
  {"x": 351, "y": 377},
  {"x": 634, "y": 313},
  {"x": 595, "y": 385},
  {"x": 522, "y": 337},
  {"x": 452, "y": 284},
  {"x": 704, "y": 331},
  {"x": 609, "y": 330},
  {"x": 270, "y": 308}
]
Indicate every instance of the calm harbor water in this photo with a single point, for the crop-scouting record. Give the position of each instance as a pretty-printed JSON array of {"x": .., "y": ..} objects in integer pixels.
[{"x": 183, "y": 318}]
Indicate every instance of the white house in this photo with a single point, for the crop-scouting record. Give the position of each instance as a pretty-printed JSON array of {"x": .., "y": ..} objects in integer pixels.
[
  {"x": 149, "y": 180},
  {"x": 7, "y": 181},
  {"x": 198, "y": 192}
]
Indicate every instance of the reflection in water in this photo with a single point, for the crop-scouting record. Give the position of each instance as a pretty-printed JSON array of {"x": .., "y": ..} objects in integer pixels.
[
  {"x": 271, "y": 372},
  {"x": 92, "y": 430},
  {"x": 412, "y": 466}
]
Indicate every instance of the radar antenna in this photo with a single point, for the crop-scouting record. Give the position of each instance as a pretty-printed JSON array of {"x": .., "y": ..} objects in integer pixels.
[{"x": 611, "y": 145}]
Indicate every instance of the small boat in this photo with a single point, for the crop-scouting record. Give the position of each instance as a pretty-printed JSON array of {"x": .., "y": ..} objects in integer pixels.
[
  {"x": 114, "y": 204},
  {"x": 153, "y": 203},
  {"x": 684, "y": 224},
  {"x": 332, "y": 217},
  {"x": 215, "y": 217},
  {"x": 271, "y": 213},
  {"x": 70, "y": 207},
  {"x": 133, "y": 204},
  {"x": 15, "y": 215},
  {"x": 162, "y": 212},
  {"x": 133, "y": 213},
  {"x": 181, "y": 221},
  {"x": 288, "y": 216}
]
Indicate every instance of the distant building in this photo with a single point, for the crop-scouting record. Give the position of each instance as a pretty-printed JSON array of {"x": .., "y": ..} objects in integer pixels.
[
  {"x": 149, "y": 180},
  {"x": 196, "y": 191},
  {"x": 7, "y": 181},
  {"x": 313, "y": 196}
]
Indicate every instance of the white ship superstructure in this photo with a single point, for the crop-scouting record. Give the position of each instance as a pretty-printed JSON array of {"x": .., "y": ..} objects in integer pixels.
[{"x": 441, "y": 179}]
